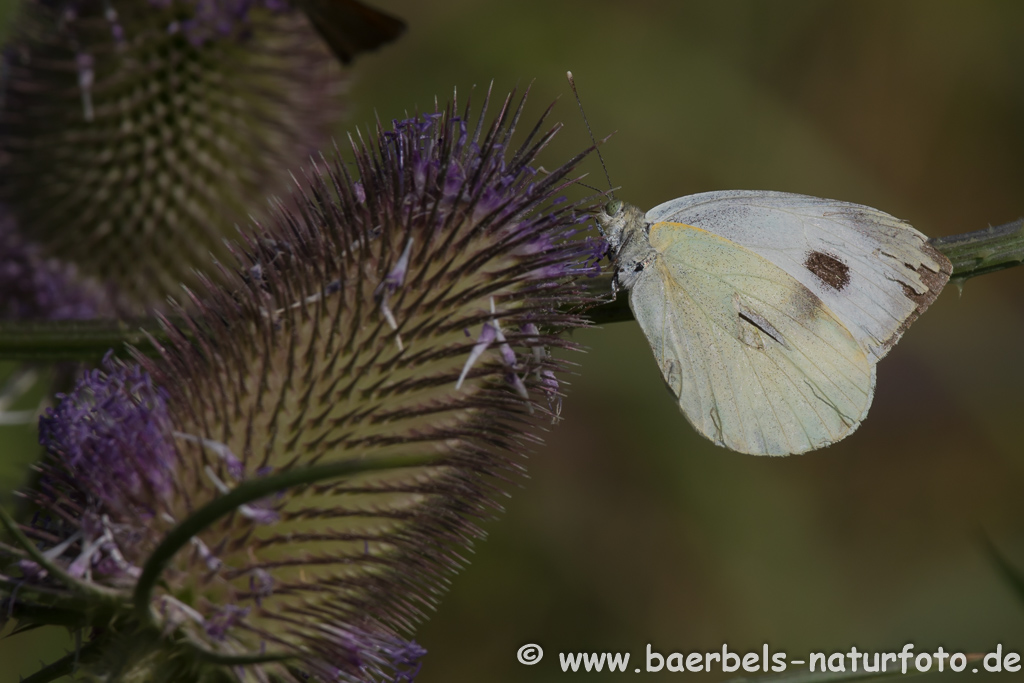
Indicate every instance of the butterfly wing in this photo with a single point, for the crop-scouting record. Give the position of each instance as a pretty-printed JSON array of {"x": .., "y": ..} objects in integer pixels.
[
  {"x": 759, "y": 362},
  {"x": 350, "y": 27},
  {"x": 875, "y": 272}
]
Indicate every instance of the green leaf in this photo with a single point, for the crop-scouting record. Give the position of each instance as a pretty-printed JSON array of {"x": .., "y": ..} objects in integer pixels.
[{"x": 1012, "y": 574}]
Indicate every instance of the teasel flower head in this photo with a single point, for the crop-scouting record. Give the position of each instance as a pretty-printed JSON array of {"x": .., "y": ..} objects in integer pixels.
[
  {"x": 284, "y": 491},
  {"x": 135, "y": 135}
]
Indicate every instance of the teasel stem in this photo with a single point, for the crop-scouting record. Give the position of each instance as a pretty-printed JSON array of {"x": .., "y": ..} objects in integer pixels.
[
  {"x": 81, "y": 340},
  {"x": 983, "y": 251},
  {"x": 65, "y": 666},
  {"x": 972, "y": 254}
]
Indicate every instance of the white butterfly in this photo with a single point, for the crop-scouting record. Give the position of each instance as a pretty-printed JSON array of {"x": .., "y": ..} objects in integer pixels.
[{"x": 767, "y": 311}]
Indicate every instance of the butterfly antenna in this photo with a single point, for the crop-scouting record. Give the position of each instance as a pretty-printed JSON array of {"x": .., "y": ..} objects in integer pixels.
[{"x": 572, "y": 84}]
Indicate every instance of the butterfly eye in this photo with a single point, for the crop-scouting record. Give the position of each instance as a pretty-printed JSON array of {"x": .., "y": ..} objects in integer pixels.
[{"x": 613, "y": 207}]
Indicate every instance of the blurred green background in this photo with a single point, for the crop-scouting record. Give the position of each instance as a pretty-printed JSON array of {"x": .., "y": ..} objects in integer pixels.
[{"x": 632, "y": 529}]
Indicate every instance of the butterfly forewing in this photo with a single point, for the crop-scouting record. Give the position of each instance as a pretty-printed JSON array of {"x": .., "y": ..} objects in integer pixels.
[
  {"x": 759, "y": 362},
  {"x": 874, "y": 272}
]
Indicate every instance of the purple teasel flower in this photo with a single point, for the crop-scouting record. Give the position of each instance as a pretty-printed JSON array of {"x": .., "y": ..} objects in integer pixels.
[{"x": 335, "y": 356}]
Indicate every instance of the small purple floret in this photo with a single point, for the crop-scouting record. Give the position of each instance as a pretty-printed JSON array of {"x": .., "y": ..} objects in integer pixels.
[
  {"x": 218, "y": 625},
  {"x": 500, "y": 192},
  {"x": 112, "y": 436},
  {"x": 213, "y": 19},
  {"x": 261, "y": 584},
  {"x": 32, "y": 286},
  {"x": 357, "y": 654}
]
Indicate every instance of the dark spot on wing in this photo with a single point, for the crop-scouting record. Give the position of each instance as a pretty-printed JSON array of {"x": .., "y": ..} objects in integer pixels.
[
  {"x": 828, "y": 269},
  {"x": 639, "y": 266}
]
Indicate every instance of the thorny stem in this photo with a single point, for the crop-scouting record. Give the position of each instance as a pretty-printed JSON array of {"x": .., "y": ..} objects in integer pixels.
[
  {"x": 87, "y": 340},
  {"x": 33, "y": 615},
  {"x": 62, "y": 667},
  {"x": 972, "y": 254},
  {"x": 983, "y": 251},
  {"x": 204, "y": 655}
]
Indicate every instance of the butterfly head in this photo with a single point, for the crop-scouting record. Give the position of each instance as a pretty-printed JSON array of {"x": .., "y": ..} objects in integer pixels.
[
  {"x": 617, "y": 221},
  {"x": 610, "y": 222}
]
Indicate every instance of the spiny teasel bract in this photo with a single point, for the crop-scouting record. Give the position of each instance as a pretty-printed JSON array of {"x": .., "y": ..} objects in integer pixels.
[
  {"x": 408, "y": 314},
  {"x": 136, "y": 134}
]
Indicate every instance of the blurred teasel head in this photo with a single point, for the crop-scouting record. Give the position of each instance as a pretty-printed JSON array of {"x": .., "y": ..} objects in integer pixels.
[
  {"x": 282, "y": 493},
  {"x": 136, "y": 134}
]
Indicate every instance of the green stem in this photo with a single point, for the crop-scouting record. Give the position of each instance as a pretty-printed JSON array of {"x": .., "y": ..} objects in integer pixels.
[
  {"x": 73, "y": 339},
  {"x": 972, "y": 254},
  {"x": 204, "y": 655},
  {"x": 247, "y": 492},
  {"x": 1010, "y": 573},
  {"x": 54, "y": 594},
  {"x": 64, "y": 666},
  {"x": 984, "y": 251},
  {"x": 44, "y": 615}
]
